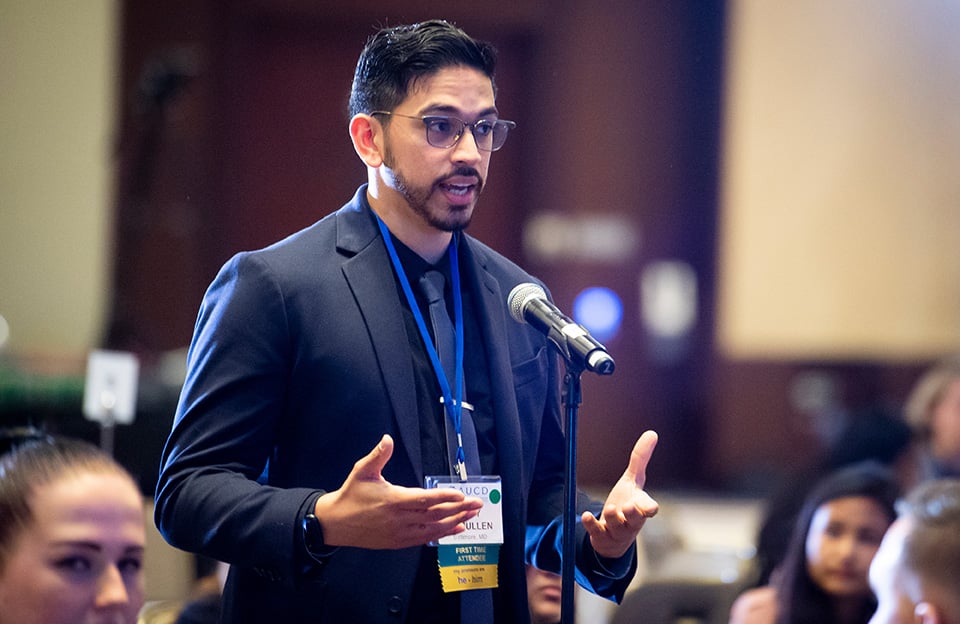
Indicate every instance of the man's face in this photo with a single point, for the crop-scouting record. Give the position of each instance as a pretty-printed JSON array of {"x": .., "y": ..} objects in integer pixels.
[
  {"x": 439, "y": 185},
  {"x": 887, "y": 579}
]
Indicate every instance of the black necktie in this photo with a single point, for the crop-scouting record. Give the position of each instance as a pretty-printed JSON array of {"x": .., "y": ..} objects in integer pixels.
[
  {"x": 443, "y": 332},
  {"x": 476, "y": 605}
]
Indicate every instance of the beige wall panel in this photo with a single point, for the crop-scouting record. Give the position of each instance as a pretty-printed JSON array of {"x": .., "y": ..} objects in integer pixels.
[{"x": 840, "y": 213}]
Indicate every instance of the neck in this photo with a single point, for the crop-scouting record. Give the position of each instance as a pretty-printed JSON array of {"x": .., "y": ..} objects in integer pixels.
[{"x": 428, "y": 242}]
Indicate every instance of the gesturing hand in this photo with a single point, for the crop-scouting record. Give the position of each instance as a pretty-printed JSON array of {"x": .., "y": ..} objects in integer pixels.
[
  {"x": 370, "y": 512},
  {"x": 627, "y": 506}
]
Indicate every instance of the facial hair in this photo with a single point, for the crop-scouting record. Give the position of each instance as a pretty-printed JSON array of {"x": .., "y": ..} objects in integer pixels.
[{"x": 454, "y": 218}]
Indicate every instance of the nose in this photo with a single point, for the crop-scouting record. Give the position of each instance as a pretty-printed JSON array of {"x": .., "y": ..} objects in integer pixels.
[
  {"x": 853, "y": 550},
  {"x": 111, "y": 589},
  {"x": 466, "y": 150}
]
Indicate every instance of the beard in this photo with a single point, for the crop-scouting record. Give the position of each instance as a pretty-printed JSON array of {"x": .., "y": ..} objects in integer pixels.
[{"x": 450, "y": 218}]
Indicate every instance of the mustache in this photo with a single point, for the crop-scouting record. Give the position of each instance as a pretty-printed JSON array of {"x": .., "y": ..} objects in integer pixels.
[{"x": 463, "y": 172}]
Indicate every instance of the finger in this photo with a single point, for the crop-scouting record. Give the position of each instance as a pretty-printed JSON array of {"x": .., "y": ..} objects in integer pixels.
[
  {"x": 371, "y": 466},
  {"x": 635, "y": 513},
  {"x": 434, "y": 533},
  {"x": 640, "y": 457},
  {"x": 621, "y": 526},
  {"x": 453, "y": 524},
  {"x": 590, "y": 523},
  {"x": 422, "y": 531},
  {"x": 647, "y": 505},
  {"x": 420, "y": 500},
  {"x": 612, "y": 516},
  {"x": 469, "y": 506}
]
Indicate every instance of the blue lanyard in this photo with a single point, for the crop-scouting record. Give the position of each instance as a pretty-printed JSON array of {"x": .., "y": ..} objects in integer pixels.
[{"x": 454, "y": 409}]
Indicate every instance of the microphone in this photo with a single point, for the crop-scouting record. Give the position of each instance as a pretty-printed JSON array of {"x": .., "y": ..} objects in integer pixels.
[{"x": 528, "y": 303}]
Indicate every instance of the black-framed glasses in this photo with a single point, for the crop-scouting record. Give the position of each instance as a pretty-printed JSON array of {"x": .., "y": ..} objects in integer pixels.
[{"x": 444, "y": 131}]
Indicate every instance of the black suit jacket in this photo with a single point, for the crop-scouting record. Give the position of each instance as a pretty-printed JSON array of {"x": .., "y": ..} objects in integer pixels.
[{"x": 298, "y": 365}]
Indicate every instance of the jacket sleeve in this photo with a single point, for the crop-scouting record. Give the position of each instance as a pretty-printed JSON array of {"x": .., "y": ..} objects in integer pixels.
[{"x": 208, "y": 497}]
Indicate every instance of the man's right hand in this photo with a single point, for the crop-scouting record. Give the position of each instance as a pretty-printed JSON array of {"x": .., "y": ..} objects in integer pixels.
[{"x": 370, "y": 512}]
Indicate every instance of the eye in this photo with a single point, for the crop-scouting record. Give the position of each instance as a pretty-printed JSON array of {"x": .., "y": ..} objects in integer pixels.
[
  {"x": 74, "y": 564},
  {"x": 833, "y": 530},
  {"x": 871, "y": 537},
  {"x": 130, "y": 565},
  {"x": 440, "y": 125},
  {"x": 483, "y": 128}
]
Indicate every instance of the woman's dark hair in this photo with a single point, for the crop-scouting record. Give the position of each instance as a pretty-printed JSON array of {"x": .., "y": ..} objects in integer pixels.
[
  {"x": 801, "y": 600},
  {"x": 394, "y": 58}
]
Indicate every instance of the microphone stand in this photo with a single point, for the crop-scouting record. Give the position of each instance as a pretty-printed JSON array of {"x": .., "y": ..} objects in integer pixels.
[
  {"x": 576, "y": 362},
  {"x": 571, "y": 403}
]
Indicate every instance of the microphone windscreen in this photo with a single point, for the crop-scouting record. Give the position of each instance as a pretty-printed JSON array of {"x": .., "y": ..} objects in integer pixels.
[{"x": 520, "y": 296}]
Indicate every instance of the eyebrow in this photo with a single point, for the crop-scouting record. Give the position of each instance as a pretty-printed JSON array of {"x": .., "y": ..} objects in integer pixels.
[
  {"x": 96, "y": 546},
  {"x": 453, "y": 111}
]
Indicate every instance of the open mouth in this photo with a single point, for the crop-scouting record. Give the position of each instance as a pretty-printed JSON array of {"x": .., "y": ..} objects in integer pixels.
[{"x": 461, "y": 190}]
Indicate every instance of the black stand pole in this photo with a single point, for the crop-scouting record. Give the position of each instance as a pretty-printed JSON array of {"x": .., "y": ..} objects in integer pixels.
[
  {"x": 571, "y": 402},
  {"x": 108, "y": 425}
]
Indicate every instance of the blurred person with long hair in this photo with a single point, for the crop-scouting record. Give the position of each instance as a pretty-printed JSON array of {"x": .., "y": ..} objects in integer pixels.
[{"x": 824, "y": 577}]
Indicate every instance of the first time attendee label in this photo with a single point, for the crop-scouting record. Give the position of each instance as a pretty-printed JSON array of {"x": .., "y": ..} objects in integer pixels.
[{"x": 469, "y": 559}]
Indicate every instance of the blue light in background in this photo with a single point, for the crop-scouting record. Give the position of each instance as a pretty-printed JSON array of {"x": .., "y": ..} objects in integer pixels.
[{"x": 600, "y": 311}]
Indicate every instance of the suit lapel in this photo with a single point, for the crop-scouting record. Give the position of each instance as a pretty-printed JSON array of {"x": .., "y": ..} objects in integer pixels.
[
  {"x": 370, "y": 278},
  {"x": 493, "y": 319}
]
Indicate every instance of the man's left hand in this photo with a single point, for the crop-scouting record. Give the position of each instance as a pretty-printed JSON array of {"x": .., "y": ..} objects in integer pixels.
[{"x": 627, "y": 506}]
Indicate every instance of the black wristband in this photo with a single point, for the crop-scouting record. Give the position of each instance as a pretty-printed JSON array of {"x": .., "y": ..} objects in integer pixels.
[{"x": 313, "y": 535}]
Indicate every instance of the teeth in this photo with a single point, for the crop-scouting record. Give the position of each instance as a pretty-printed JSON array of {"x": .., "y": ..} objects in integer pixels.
[{"x": 455, "y": 188}]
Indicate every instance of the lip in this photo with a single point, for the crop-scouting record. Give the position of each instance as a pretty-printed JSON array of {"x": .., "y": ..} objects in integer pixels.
[
  {"x": 461, "y": 180},
  {"x": 458, "y": 192},
  {"x": 552, "y": 593},
  {"x": 846, "y": 576}
]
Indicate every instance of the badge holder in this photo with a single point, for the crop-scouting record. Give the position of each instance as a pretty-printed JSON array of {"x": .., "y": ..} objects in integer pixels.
[{"x": 469, "y": 560}]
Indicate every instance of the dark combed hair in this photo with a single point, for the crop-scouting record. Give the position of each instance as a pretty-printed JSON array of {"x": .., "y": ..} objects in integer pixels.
[
  {"x": 801, "y": 600},
  {"x": 394, "y": 58}
]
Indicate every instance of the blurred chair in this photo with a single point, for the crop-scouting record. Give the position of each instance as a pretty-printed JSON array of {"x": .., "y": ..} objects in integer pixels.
[{"x": 678, "y": 602}]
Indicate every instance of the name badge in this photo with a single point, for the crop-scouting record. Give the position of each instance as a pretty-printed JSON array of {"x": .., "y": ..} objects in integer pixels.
[{"x": 469, "y": 560}]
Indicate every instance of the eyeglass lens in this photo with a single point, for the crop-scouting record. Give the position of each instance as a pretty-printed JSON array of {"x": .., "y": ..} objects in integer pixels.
[{"x": 446, "y": 131}]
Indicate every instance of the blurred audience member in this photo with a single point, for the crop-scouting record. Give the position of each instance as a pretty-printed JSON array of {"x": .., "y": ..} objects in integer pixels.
[
  {"x": 203, "y": 607},
  {"x": 72, "y": 535},
  {"x": 933, "y": 410},
  {"x": 876, "y": 434},
  {"x": 823, "y": 579},
  {"x": 916, "y": 573},
  {"x": 543, "y": 595}
]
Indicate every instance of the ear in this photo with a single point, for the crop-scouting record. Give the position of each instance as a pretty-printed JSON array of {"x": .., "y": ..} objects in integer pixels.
[
  {"x": 367, "y": 136},
  {"x": 926, "y": 613}
]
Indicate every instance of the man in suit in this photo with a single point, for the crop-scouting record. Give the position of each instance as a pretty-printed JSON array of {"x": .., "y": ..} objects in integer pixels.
[{"x": 315, "y": 350}]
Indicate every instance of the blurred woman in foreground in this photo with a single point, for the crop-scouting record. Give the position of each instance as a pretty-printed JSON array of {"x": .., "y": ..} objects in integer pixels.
[{"x": 72, "y": 535}]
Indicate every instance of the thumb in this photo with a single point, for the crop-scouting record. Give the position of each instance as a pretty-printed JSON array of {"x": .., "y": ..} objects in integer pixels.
[
  {"x": 371, "y": 465},
  {"x": 640, "y": 457}
]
